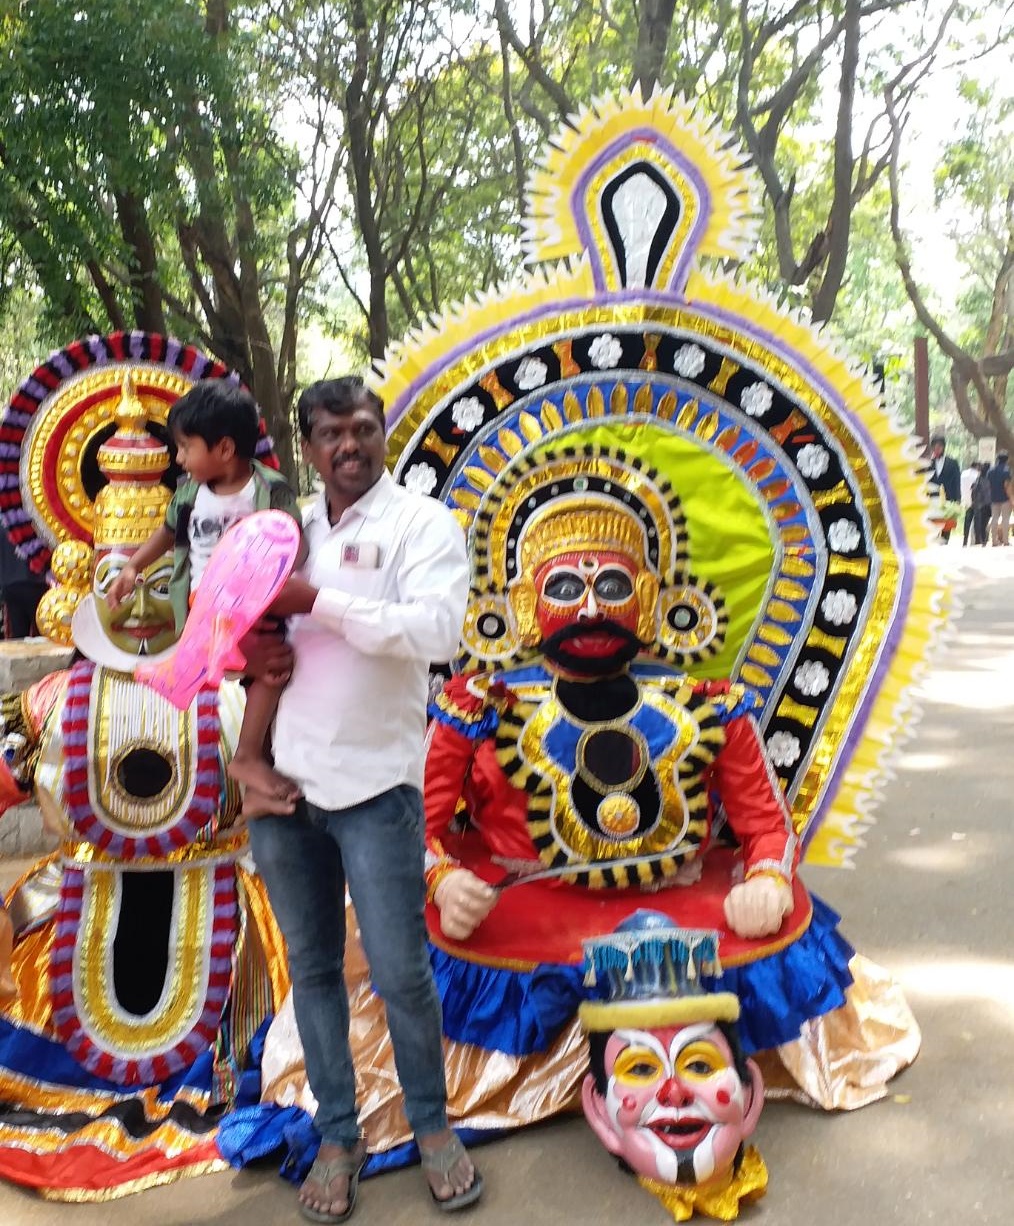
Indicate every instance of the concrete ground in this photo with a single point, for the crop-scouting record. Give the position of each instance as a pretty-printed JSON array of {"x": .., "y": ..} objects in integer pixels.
[{"x": 931, "y": 899}]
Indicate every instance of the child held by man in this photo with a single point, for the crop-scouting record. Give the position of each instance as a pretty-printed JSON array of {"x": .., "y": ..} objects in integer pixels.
[{"x": 215, "y": 428}]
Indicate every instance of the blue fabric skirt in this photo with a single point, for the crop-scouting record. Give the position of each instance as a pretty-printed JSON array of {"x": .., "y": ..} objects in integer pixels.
[{"x": 522, "y": 1013}]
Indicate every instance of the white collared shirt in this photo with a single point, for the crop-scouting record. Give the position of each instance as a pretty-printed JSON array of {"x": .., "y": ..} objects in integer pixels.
[{"x": 352, "y": 720}]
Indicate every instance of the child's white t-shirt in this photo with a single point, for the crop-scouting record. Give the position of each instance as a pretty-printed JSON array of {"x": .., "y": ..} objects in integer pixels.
[{"x": 210, "y": 518}]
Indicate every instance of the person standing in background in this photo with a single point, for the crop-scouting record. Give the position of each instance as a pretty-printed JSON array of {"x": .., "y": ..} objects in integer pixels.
[
  {"x": 944, "y": 475},
  {"x": 1000, "y": 500},
  {"x": 21, "y": 592},
  {"x": 969, "y": 476},
  {"x": 981, "y": 504}
]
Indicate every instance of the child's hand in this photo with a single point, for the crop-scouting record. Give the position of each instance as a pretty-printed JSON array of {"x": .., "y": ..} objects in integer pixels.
[{"x": 121, "y": 586}]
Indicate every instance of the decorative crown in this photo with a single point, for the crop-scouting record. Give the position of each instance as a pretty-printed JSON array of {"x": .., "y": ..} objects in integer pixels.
[
  {"x": 572, "y": 524},
  {"x": 654, "y": 974},
  {"x": 135, "y": 500}
]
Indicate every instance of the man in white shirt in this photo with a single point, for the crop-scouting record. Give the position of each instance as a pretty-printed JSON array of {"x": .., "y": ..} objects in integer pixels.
[
  {"x": 969, "y": 476},
  {"x": 382, "y": 594}
]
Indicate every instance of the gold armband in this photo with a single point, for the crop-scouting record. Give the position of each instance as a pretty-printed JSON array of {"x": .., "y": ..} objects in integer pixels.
[{"x": 773, "y": 873}]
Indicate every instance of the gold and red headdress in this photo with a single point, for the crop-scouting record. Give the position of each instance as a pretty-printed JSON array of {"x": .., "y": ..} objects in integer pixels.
[{"x": 84, "y": 463}]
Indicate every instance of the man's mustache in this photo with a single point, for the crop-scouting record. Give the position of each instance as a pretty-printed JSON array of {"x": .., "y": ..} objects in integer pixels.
[
  {"x": 560, "y": 638},
  {"x": 557, "y": 648}
]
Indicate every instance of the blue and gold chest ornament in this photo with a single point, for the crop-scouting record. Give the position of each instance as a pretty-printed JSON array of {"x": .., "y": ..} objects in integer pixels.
[
  {"x": 625, "y": 797},
  {"x": 653, "y": 395}
]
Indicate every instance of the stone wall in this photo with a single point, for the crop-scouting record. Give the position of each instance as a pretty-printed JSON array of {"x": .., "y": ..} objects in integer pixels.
[{"x": 22, "y": 833}]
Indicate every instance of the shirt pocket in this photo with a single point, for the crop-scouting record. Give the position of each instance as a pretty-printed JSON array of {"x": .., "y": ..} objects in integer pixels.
[{"x": 365, "y": 581}]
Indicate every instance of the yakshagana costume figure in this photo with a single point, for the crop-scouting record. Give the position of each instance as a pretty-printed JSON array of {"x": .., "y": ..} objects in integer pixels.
[
  {"x": 694, "y": 617},
  {"x": 145, "y": 957}
]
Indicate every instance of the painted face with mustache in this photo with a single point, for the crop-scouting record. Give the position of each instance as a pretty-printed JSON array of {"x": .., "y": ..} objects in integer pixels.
[
  {"x": 587, "y": 611},
  {"x": 675, "y": 1107}
]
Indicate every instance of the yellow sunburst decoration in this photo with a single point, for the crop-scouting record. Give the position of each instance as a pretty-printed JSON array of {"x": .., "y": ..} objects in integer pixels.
[{"x": 624, "y": 151}]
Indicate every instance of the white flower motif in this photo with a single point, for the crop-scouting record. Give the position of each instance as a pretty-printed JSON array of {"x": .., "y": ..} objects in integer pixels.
[
  {"x": 839, "y": 607},
  {"x": 605, "y": 351},
  {"x": 531, "y": 373},
  {"x": 421, "y": 479},
  {"x": 843, "y": 536},
  {"x": 783, "y": 748},
  {"x": 756, "y": 399},
  {"x": 812, "y": 678},
  {"x": 813, "y": 461},
  {"x": 467, "y": 413},
  {"x": 689, "y": 361}
]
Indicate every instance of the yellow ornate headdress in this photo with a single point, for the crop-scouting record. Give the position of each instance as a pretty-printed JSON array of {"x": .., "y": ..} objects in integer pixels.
[
  {"x": 124, "y": 514},
  {"x": 547, "y": 502},
  {"x": 133, "y": 504},
  {"x": 799, "y": 497},
  {"x": 84, "y": 461},
  {"x": 579, "y": 525}
]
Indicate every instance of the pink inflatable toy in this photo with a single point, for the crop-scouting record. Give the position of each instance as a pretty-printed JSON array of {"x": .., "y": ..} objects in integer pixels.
[{"x": 245, "y": 573}]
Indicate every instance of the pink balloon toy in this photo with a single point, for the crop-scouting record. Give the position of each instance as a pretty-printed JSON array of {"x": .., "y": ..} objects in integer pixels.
[{"x": 245, "y": 573}]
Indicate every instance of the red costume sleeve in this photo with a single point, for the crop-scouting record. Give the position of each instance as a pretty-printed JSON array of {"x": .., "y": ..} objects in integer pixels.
[
  {"x": 449, "y": 754},
  {"x": 448, "y": 757},
  {"x": 758, "y": 814},
  {"x": 11, "y": 792}
]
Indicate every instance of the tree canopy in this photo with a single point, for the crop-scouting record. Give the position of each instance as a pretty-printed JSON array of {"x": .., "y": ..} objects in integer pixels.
[{"x": 232, "y": 171}]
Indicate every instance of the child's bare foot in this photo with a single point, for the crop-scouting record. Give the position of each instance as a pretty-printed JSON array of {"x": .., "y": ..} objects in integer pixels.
[
  {"x": 260, "y": 776},
  {"x": 256, "y": 804}
]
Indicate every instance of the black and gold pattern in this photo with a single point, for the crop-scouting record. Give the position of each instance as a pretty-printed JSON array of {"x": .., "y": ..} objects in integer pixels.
[{"x": 654, "y": 818}]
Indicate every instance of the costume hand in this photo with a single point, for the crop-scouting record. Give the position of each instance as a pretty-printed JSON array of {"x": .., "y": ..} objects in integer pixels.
[
  {"x": 463, "y": 901},
  {"x": 756, "y": 908},
  {"x": 296, "y": 597},
  {"x": 121, "y": 586},
  {"x": 267, "y": 654}
]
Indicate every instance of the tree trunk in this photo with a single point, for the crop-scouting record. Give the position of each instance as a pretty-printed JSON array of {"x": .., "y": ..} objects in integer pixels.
[
  {"x": 144, "y": 279},
  {"x": 361, "y": 170},
  {"x": 839, "y": 222},
  {"x": 652, "y": 41}
]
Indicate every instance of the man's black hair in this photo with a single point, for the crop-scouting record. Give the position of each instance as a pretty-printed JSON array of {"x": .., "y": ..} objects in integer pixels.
[
  {"x": 938, "y": 438},
  {"x": 337, "y": 396},
  {"x": 597, "y": 1041},
  {"x": 213, "y": 410}
]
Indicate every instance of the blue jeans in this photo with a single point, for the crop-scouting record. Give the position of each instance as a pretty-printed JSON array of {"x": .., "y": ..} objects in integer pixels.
[{"x": 305, "y": 861}]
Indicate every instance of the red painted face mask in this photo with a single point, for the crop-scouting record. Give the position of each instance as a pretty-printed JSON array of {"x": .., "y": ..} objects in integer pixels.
[{"x": 587, "y": 607}]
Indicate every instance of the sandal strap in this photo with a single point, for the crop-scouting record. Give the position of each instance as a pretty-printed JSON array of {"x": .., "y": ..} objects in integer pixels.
[
  {"x": 443, "y": 1160},
  {"x": 346, "y": 1165}
]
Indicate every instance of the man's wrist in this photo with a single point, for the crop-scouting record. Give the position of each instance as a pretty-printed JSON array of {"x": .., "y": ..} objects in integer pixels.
[
  {"x": 330, "y": 605},
  {"x": 438, "y": 867}
]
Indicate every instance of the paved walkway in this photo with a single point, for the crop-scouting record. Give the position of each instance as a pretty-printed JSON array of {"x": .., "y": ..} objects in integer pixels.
[{"x": 931, "y": 899}]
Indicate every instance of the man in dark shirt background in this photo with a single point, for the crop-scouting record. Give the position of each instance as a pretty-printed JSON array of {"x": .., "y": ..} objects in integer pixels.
[
  {"x": 1000, "y": 498},
  {"x": 20, "y": 592},
  {"x": 944, "y": 475}
]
